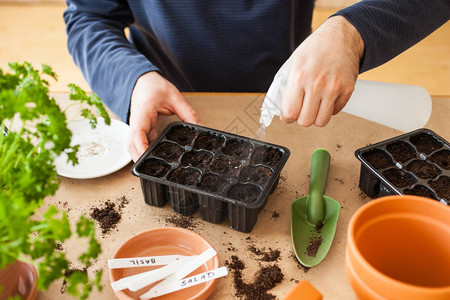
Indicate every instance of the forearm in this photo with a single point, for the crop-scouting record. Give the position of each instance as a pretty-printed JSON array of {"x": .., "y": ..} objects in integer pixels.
[
  {"x": 390, "y": 27},
  {"x": 346, "y": 36},
  {"x": 110, "y": 64}
]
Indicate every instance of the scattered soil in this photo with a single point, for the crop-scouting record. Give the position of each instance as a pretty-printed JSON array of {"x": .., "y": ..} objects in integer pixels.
[
  {"x": 266, "y": 256},
  {"x": 258, "y": 174},
  {"x": 442, "y": 187},
  {"x": 398, "y": 178},
  {"x": 185, "y": 176},
  {"x": 168, "y": 151},
  {"x": 181, "y": 221},
  {"x": 299, "y": 265},
  {"x": 236, "y": 263},
  {"x": 154, "y": 167},
  {"x": 282, "y": 178},
  {"x": 340, "y": 180},
  {"x": 425, "y": 143},
  {"x": 238, "y": 149},
  {"x": 209, "y": 141},
  {"x": 65, "y": 205},
  {"x": 265, "y": 279},
  {"x": 245, "y": 193},
  {"x": 107, "y": 216},
  {"x": 319, "y": 226},
  {"x": 214, "y": 183},
  {"x": 226, "y": 166},
  {"x": 275, "y": 215},
  {"x": 441, "y": 158},
  {"x": 67, "y": 273},
  {"x": 123, "y": 201},
  {"x": 315, "y": 240},
  {"x": 378, "y": 159},
  {"x": 198, "y": 159},
  {"x": 266, "y": 156},
  {"x": 362, "y": 195},
  {"x": 401, "y": 151},
  {"x": 182, "y": 135},
  {"x": 423, "y": 169},
  {"x": 229, "y": 245},
  {"x": 59, "y": 247},
  {"x": 420, "y": 190},
  {"x": 314, "y": 245}
]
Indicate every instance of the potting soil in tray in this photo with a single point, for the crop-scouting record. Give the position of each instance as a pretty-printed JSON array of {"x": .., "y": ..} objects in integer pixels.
[
  {"x": 194, "y": 167},
  {"x": 415, "y": 163}
]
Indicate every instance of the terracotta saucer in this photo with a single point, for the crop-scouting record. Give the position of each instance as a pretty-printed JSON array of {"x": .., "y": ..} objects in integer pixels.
[
  {"x": 165, "y": 241},
  {"x": 19, "y": 279}
]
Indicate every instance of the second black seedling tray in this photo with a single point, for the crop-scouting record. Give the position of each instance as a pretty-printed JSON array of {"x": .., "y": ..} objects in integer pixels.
[
  {"x": 195, "y": 167},
  {"x": 415, "y": 163}
]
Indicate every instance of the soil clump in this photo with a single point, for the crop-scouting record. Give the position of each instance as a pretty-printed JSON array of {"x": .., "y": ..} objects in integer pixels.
[
  {"x": 258, "y": 174},
  {"x": 154, "y": 167},
  {"x": 398, "y": 178},
  {"x": 423, "y": 169},
  {"x": 378, "y": 159},
  {"x": 238, "y": 149},
  {"x": 266, "y": 256},
  {"x": 266, "y": 156},
  {"x": 208, "y": 141},
  {"x": 420, "y": 190},
  {"x": 182, "y": 135},
  {"x": 168, "y": 151},
  {"x": 198, "y": 159},
  {"x": 265, "y": 279},
  {"x": 186, "y": 222},
  {"x": 425, "y": 143},
  {"x": 107, "y": 216},
  {"x": 225, "y": 166},
  {"x": 442, "y": 187},
  {"x": 401, "y": 151},
  {"x": 441, "y": 158}
]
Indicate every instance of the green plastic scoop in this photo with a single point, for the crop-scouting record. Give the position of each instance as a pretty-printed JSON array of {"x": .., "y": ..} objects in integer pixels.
[{"x": 314, "y": 217}]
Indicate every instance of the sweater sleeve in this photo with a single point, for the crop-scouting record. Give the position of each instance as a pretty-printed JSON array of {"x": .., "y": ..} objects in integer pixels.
[
  {"x": 390, "y": 27},
  {"x": 99, "y": 47}
]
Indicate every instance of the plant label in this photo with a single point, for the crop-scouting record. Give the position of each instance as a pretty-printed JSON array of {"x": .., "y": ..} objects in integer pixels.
[
  {"x": 186, "y": 283},
  {"x": 146, "y": 261}
]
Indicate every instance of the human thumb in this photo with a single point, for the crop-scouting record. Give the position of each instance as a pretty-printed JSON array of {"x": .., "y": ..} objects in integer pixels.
[{"x": 184, "y": 111}]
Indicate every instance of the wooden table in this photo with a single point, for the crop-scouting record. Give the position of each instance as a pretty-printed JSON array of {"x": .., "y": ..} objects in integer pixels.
[{"x": 239, "y": 113}]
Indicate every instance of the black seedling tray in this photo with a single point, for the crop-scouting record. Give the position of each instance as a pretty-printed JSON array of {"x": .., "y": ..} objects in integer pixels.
[
  {"x": 195, "y": 167},
  {"x": 415, "y": 163}
]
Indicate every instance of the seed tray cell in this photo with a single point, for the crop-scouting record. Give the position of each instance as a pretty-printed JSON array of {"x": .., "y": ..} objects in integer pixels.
[
  {"x": 221, "y": 174},
  {"x": 415, "y": 163}
]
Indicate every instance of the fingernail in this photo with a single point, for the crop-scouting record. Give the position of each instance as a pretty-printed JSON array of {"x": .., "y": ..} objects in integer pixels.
[{"x": 286, "y": 120}]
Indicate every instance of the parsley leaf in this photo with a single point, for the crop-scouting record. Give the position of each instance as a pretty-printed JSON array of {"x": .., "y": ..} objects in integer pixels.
[{"x": 38, "y": 134}]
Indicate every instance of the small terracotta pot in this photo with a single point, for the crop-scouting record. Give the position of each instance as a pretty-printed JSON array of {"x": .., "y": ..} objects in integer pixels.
[
  {"x": 398, "y": 247},
  {"x": 18, "y": 279},
  {"x": 165, "y": 241}
]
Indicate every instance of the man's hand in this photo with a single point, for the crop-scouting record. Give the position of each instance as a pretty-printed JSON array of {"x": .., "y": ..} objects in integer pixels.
[
  {"x": 153, "y": 96},
  {"x": 323, "y": 75}
]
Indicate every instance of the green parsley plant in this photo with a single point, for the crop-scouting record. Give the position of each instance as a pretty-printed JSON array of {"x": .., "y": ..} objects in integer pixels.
[{"x": 33, "y": 132}]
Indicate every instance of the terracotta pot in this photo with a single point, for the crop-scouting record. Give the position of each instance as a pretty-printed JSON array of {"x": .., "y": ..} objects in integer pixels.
[
  {"x": 398, "y": 247},
  {"x": 165, "y": 241},
  {"x": 18, "y": 279}
]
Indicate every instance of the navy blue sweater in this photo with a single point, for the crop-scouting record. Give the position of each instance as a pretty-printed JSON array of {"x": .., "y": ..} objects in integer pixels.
[{"x": 222, "y": 46}]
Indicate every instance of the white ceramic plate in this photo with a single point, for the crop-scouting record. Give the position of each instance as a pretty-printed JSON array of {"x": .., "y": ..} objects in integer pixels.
[{"x": 102, "y": 150}]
